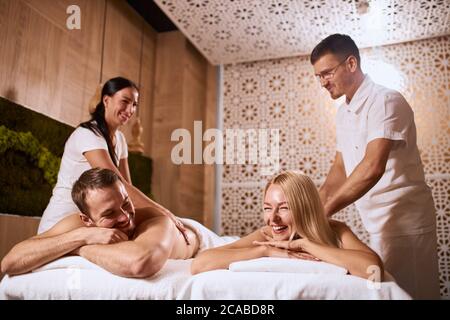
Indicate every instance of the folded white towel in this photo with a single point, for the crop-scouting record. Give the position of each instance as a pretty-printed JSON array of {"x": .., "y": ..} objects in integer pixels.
[
  {"x": 286, "y": 265},
  {"x": 208, "y": 239}
]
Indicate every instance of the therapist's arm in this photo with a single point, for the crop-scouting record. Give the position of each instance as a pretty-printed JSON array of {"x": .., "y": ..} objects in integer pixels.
[
  {"x": 125, "y": 170},
  {"x": 366, "y": 174},
  {"x": 335, "y": 179}
]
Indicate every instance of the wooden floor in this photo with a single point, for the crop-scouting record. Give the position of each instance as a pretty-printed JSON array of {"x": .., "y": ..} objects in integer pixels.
[{"x": 14, "y": 229}]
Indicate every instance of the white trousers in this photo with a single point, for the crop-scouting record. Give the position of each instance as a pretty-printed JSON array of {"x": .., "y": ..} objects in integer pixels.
[{"x": 413, "y": 261}]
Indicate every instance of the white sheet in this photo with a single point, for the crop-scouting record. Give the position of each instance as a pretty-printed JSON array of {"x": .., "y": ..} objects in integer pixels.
[
  {"x": 77, "y": 278},
  {"x": 228, "y": 285}
]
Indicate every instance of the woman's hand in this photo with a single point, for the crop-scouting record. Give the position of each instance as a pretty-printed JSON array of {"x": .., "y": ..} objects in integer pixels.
[
  {"x": 270, "y": 251},
  {"x": 293, "y": 248},
  {"x": 180, "y": 226},
  {"x": 293, "y": 245},
  {"x": 302, "y": 255}
]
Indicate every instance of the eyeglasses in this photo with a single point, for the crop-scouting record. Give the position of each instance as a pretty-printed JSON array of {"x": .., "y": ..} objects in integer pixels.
[{"x": 328, "y": 75}]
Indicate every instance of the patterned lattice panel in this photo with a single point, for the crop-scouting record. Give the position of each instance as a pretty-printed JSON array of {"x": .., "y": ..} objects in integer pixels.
[{"x": 250, "y": 30}]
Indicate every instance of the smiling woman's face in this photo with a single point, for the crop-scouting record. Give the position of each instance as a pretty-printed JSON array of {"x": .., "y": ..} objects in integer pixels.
[
  {"x": 277, "y": 214},
  {"x": 121, "y": 106}
]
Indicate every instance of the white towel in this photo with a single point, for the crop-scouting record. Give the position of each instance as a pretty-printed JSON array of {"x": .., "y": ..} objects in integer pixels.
[
  {"x": 208, "y": 239},
  {"x": 286, "y": 266}
]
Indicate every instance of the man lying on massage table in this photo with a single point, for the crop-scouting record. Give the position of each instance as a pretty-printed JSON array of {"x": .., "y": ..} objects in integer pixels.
[{"x": 109, "y": 232}]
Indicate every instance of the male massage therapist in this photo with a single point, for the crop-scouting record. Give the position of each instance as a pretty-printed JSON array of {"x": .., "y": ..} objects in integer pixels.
[{"x": 378, "y": 166}]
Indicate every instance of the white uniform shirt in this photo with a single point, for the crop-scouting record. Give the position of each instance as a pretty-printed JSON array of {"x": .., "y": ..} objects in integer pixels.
[
  {"x": 401, "y": 202},
  {"x": 73, "y": 164}
]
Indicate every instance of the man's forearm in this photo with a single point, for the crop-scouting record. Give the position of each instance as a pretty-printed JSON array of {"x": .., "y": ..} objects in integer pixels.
[
  {"x": 120, "y": 258},
  {"x": 35, "y": 252},
  {"x": 335, "y": 179},
  {"x": 330, "y": 187},
  {"x": 362, "y": 179}
]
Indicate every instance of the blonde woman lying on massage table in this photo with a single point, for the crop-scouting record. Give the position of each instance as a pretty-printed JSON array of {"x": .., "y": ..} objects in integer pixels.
[{"x": 296, "y": 227}]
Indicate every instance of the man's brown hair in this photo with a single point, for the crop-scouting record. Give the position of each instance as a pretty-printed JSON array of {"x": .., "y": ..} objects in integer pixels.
[
  {"x": 96, "y": 178},
  {"x": 340, "y": 45}
]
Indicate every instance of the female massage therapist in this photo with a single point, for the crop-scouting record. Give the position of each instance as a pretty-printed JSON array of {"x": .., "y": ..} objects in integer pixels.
[
  {"x": 296, "y": 227},
  {"x": 99, "y": 143}
]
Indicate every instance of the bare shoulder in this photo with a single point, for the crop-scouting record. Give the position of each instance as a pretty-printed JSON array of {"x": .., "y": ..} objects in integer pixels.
[
  {"x": 151, "y": 227},
  {"x": 349, "y": 239},
  {"x": 67, "y": 224},
  {"x": 143, "y": 214},
  {"x": 247, "y": 241}
]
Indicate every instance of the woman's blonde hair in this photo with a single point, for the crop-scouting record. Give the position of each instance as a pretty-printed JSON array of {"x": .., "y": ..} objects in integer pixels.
[{"x": 306, "y": 207}]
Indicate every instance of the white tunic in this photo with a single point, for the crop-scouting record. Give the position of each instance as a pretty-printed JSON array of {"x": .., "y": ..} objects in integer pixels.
[
  {"x": 398, "y": 212},
  {"x": 401, "y": 202},
  {"x": 73, "y": 164}
]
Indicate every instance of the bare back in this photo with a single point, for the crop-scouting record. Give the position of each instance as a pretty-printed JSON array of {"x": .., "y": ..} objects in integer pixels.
[
  {"x": 151, "y": 230},
  {"x": 159, "y": 229}
]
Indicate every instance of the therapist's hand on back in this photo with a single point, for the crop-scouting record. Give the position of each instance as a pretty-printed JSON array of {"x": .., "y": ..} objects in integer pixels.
[{"x": 180, "y": 226}]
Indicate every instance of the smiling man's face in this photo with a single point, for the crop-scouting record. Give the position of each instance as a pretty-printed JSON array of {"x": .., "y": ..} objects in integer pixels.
[
  {"x": 335, "y": 75},
  {"x": 110, "y": 207}
]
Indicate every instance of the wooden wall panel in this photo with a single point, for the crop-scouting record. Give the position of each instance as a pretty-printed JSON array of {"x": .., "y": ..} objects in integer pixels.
[
  {"x": 167, "y": 104},
  {"x": 194, "y": 100},
  {"x": 29, "y": 44},
  {"x": 123, "y": 42},
  {"x": 146, "y": 90},
  {"x": 83, "y": 62},
  {"x": 123, "y": 37},
  {"x": 45, "y": 66},
  {"x": 14, "y": 229},
  {"x": 55, "y": 11},
  {"x": 179, "y": 100}
]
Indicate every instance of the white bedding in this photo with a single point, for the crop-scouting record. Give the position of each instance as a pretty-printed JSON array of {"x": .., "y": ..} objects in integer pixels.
[
  {"x": 77, "y": 278},
  {"x": 228, "y": 285},
  {"x": 286, "y": 266}
]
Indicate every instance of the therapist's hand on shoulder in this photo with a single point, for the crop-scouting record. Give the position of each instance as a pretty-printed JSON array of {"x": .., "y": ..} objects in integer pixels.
[{"x": 180, "y": 226}]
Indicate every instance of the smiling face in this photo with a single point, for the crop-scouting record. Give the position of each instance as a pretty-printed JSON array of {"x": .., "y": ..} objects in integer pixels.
[
  {"x": 120, "y": 107},
  {"x": 110, "y": 207},
  {"x": 340, "y": 73},
  {"x": 277, "y": 214}
]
